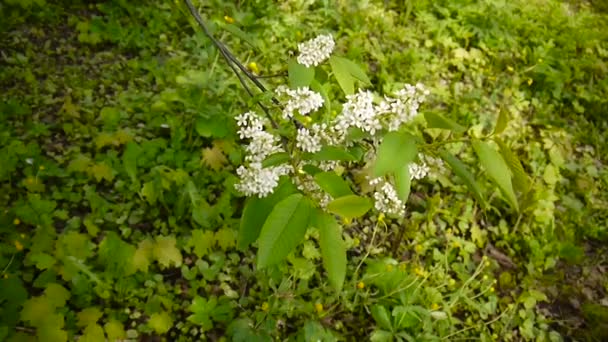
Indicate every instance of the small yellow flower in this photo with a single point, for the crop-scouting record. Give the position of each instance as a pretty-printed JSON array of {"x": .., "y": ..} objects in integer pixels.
[
  {"x": 389, "y": 268},
  {"x": 434, "y": 306},
  {"x": 30, "y": 180},
  {"x": 229, "y": 19},
  {"x": 265, "y": 306},
  {"x": 540, "y": 60},
  {"x": 487, "y": 264},
  {"x": 319, "y": 307},
  {"x": 346, "y": 220},
  {"x": 360, "y": 285},
  {"x": 253, "y": 66},
  {"x": 302, "y": 172},
  {"x": 298, "y": 34},
  {"x": 451, "y": 282},
  {"x": 307, "y": 119},
  {"x": 18, "y": 245},
  {"x": 485, "y": 277},
  {"x": 356, "y": 242},
  {"x": 530, "y": 81},
  {"x": 418, "y": 248},
  {"x": 419, "y": 271},
  {"x": 510, "y": 68},
  {"x": 41, "y": 167},
  {"x": 492, "y": 289},
  {"x": 456, "y": 244},
  {"x": 16, "y": 222}
]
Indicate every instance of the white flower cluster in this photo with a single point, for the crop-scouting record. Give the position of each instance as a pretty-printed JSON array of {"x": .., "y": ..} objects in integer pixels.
[
  {"x": 315, "y": 51},
  {"x": 387, "y": 201},
  {"x": 311, "y": 140},
  {"x": 304, "y": 100},
  {"x": 361, "y": 112},
  {"x": 254, "y": 179},
  {"x": 427, "y": 165}
]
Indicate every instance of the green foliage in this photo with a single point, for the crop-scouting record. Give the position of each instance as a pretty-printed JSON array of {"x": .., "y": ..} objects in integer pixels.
[{"x": 120, "y": 219}]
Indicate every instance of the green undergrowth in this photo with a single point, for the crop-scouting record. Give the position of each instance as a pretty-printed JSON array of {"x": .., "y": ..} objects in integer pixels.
[{"x": 118, "y": 153}]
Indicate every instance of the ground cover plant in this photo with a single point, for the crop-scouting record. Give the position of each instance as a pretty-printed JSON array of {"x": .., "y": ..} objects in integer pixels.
[{"x": 402, "y": 171}]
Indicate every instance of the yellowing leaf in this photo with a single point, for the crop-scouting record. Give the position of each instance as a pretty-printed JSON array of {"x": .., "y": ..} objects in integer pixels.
[
  {"x": 166, "y": 253},
  {"x": 57, "y": 294},
  {"x": 226, "y": 238},
  {"x": 114, "y": 330},
  {"x": 141, "y": 258},
  {"x": 101, "y": 171},
  {"x": 202, "y": 241},
  {"x": 92, "y": 333},
  {"x": 214, "y": 157},
  {"x": 51, "y": 329},
  {"x": 36, "y": 309},
  {"x": 69, "y": 108},
  {"x": 160, "y": 322},
  {"x": 88, "y": 316},
  {"x": 79, "y": 164},
  {"x": 122, "y": 137},
  {"x": 104, "y": 139}
]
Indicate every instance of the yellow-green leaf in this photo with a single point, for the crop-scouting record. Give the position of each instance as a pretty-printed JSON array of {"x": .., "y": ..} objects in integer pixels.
[
  {"x": 88, "y": 316},
  {"x": 160, "y": 322},
  {"x": 166, "y": 253},
  {"x": 333, "y": 248},
  {"x": 351, "y": 206},
  {"x": 497, "y": 170}
]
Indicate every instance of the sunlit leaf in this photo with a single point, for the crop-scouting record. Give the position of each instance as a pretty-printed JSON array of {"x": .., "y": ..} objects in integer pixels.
[
  {"x": 166, "y": 252},
  {"x": 333, "y": 249},
  {"x": 351, "y": 206},
  {"x": 396, "y": 150},
  {"x": 435, "y": 120},
  {"x": 461, "y": 170},
  {"x": 283, "y": 230},
  {"x": 497, "y": 170},
  {"x": 333, "y": 184},
  {"x": 299, "y": 75}
]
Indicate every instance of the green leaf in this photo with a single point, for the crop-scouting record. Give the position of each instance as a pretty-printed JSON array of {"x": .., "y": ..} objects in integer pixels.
[
  {"x": 299, "y": 75},
  {"x": 276, "y": 159},
  {"x": 382, "y": 318},
  {"x": 501, "y": 121},
  {"x": 160, "y": 322},
  {"x": 403, "y": 183},
  {"x": 114, "y": 330},
  {"x": 396, "y": 151},
  {"x": 351, "y": 206},
  {"x": 497, "y": 170},
  {"x": 114, "y": 252},
  {"x": 92, "y": 333},
  {"x": 311, "y": 169},
  {"x": 333, "y": 249},
  {"x": 57, "y": 294},
  {"x": 165, "y": 251},
  {"x": 434, "y": 120},
  {"x": 461, "y": 170},
  {"x": 520, "y": 178},
  {"x": 355, "y": 70},
  {"x": 283, "y": 230},
  {"x": 141, "y": 257},
  {"x": 129, "y": 159},
  {"x": 342, "y": 73},
  {"x": 203, "y": 241},
  {"x": 88, "y": 316},
  {"x": 225, "y": 238},
  {"x": 333, "y": 184},
  {"x": 257, "y": 210},
  {"x": 36, "y": 310},
  {"x": 331, "y": 153}
]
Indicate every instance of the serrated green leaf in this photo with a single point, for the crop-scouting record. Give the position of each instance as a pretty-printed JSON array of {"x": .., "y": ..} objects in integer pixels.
[
  {"x": 396, "y": 150},
  {"x": 88, "y": 316},
  {"x": 257, "y": 210},
  {"x": 57, "y": 294},
  {"x": 166, "y": 252},
  {"x": 342, "y": 73},
  {"x": 520, "y": 178},
  {"x": 276, "y": 159},
  {"x": 333, "y": 249},
  {"x": 497, "y": 170},
  {"x": 142, "y": 256},
  {"x": 92, "y": 333},
  {"x": 160, "y": 322},
  {"x": 403, "y": 183},
  {"x": 434, "y": 120},
  {"x": 330, "y": 153},
  {"x": 226, "y": 238},
  {"x": 51, "y": 329},
  {"x": 351, "y": 206},
  {"x": 42, "y": 261},
  {"x": 114, "y": 330},
  {"x": 202, "y": 241},
  {"x": 101, "y": 171},
  {"x": 36, "y": 310},
  {"x": 283, "y": 230},
  {"x": 333, "y": 184},
  {"x": 114, "y": 252},
  {"x": 461, "y": 170},
  {"x": 299, "y": 75}
]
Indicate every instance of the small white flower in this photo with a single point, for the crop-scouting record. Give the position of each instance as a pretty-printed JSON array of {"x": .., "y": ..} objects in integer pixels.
[
  {"x": 256, "y": 180},
  {"x": 418, "y": 171},
  {"x": 304, "y": 100},
  {"x": 358, "y": 111},
  {"x": 387, "y": 201},
  {"x": 316, "y": 51},
  {"x": 307, "y": 142}
]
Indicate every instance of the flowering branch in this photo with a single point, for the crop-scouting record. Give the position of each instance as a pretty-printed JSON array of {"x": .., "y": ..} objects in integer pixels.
[{"x": 233, "y": 62}]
